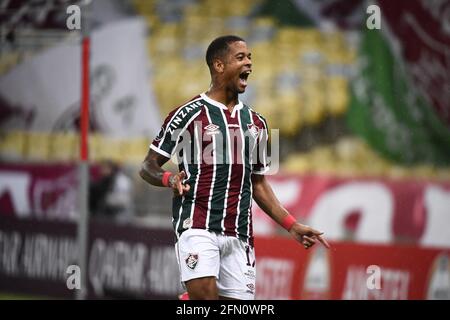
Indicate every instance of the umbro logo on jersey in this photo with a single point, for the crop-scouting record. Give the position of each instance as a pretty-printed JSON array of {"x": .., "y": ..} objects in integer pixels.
[
  {"x": 212, "y": 128},
  {"x": 254, "y": 130}
]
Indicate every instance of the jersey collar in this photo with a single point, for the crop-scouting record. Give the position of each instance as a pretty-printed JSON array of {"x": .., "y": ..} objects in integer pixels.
[{"x": 220, "y": 105}]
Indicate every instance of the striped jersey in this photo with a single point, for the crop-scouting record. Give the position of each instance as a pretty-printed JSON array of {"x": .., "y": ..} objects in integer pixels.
[{"x": 219, "y": 150}]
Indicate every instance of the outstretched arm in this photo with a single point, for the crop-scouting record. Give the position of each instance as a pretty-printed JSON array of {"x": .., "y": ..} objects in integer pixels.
[
  {"x": 152, "y": 173},
  {"x": 268, "y": 202}
]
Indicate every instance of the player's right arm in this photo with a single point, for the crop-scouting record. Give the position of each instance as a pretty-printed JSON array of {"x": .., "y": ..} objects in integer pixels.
[
  {"x": 164, "y": 145},
  {"x": 152, "y": 172}
]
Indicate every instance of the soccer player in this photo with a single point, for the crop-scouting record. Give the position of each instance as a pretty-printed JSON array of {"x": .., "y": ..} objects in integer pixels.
[{"x": 218, "y": 176}]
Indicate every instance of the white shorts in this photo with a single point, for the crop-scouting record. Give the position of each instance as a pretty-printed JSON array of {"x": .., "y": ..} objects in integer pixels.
[{"x": 201, "y": 253}]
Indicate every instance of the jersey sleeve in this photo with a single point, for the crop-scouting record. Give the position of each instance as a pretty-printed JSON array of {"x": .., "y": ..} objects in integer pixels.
[
  {"x": 262, "y": 163},
  {"x": 173, "y": 128}
]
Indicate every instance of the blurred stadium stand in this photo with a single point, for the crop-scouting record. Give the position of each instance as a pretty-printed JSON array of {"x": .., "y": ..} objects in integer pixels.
[{"x": 300, "y": 82}]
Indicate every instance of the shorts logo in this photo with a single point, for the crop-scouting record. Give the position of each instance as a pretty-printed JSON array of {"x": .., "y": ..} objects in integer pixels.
[
  {"x": 251, "y": 288},
  {"x": 250, "y": 274},
  {"x": 254, "y": 130},
  {"x": 211, "y": 129},
  {"x": 192, "y": 260}
]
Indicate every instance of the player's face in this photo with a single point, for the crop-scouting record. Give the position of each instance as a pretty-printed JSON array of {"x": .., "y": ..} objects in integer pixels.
[{"x": 238, "y": 66}]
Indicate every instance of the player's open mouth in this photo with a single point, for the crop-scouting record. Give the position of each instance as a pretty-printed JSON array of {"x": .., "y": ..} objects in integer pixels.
[{"x": 243, "y": 77}]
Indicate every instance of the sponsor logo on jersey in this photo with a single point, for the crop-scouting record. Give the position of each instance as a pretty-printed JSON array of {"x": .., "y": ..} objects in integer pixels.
[{"x": 192, "y": 260}]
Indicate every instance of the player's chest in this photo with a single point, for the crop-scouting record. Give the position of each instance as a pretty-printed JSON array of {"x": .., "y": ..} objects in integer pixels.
[{"x": 215, "y": 122}]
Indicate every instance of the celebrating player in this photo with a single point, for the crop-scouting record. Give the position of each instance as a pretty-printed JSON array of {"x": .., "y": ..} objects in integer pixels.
[{"x": 219, "y": 175}]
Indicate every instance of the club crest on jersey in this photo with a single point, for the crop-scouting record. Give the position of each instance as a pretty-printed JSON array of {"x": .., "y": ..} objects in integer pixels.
[
  {"x": 192, "y": 260},
  {"x": 187, "y": 223},
  {"x": 212, "y": 129},
  {"x": 254, "y": 130}
]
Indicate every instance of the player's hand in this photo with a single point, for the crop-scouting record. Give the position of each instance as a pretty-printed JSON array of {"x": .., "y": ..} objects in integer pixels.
[
  {"x": 176, "y": 183},
  {"x": 307, "y": 236}
]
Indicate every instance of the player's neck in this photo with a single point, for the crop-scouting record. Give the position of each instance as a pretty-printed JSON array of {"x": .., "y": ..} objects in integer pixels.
[{"x": 227, "y": 98}]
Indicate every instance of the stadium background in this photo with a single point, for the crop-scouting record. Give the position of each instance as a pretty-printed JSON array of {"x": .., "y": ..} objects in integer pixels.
[{"x": 364, "y": 128}]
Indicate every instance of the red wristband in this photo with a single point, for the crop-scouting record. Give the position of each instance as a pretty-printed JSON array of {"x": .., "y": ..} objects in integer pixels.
[
  {"x": 288, "y": 222},
  {"x": 165, "y": 178}
]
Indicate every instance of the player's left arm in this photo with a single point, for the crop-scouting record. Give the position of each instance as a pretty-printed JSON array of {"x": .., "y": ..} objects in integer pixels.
[{"x": 269, "y": 203}]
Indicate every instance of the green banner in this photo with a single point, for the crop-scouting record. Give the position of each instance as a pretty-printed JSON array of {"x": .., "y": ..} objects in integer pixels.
[{"x": 388, "y": 112}]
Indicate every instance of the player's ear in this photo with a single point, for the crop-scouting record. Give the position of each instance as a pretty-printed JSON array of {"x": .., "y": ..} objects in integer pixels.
[{"x": 218, "y": 65}]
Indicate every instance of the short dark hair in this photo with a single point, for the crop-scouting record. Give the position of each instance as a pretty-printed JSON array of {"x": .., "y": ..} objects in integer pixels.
[{"x": 218, "y": 47}]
